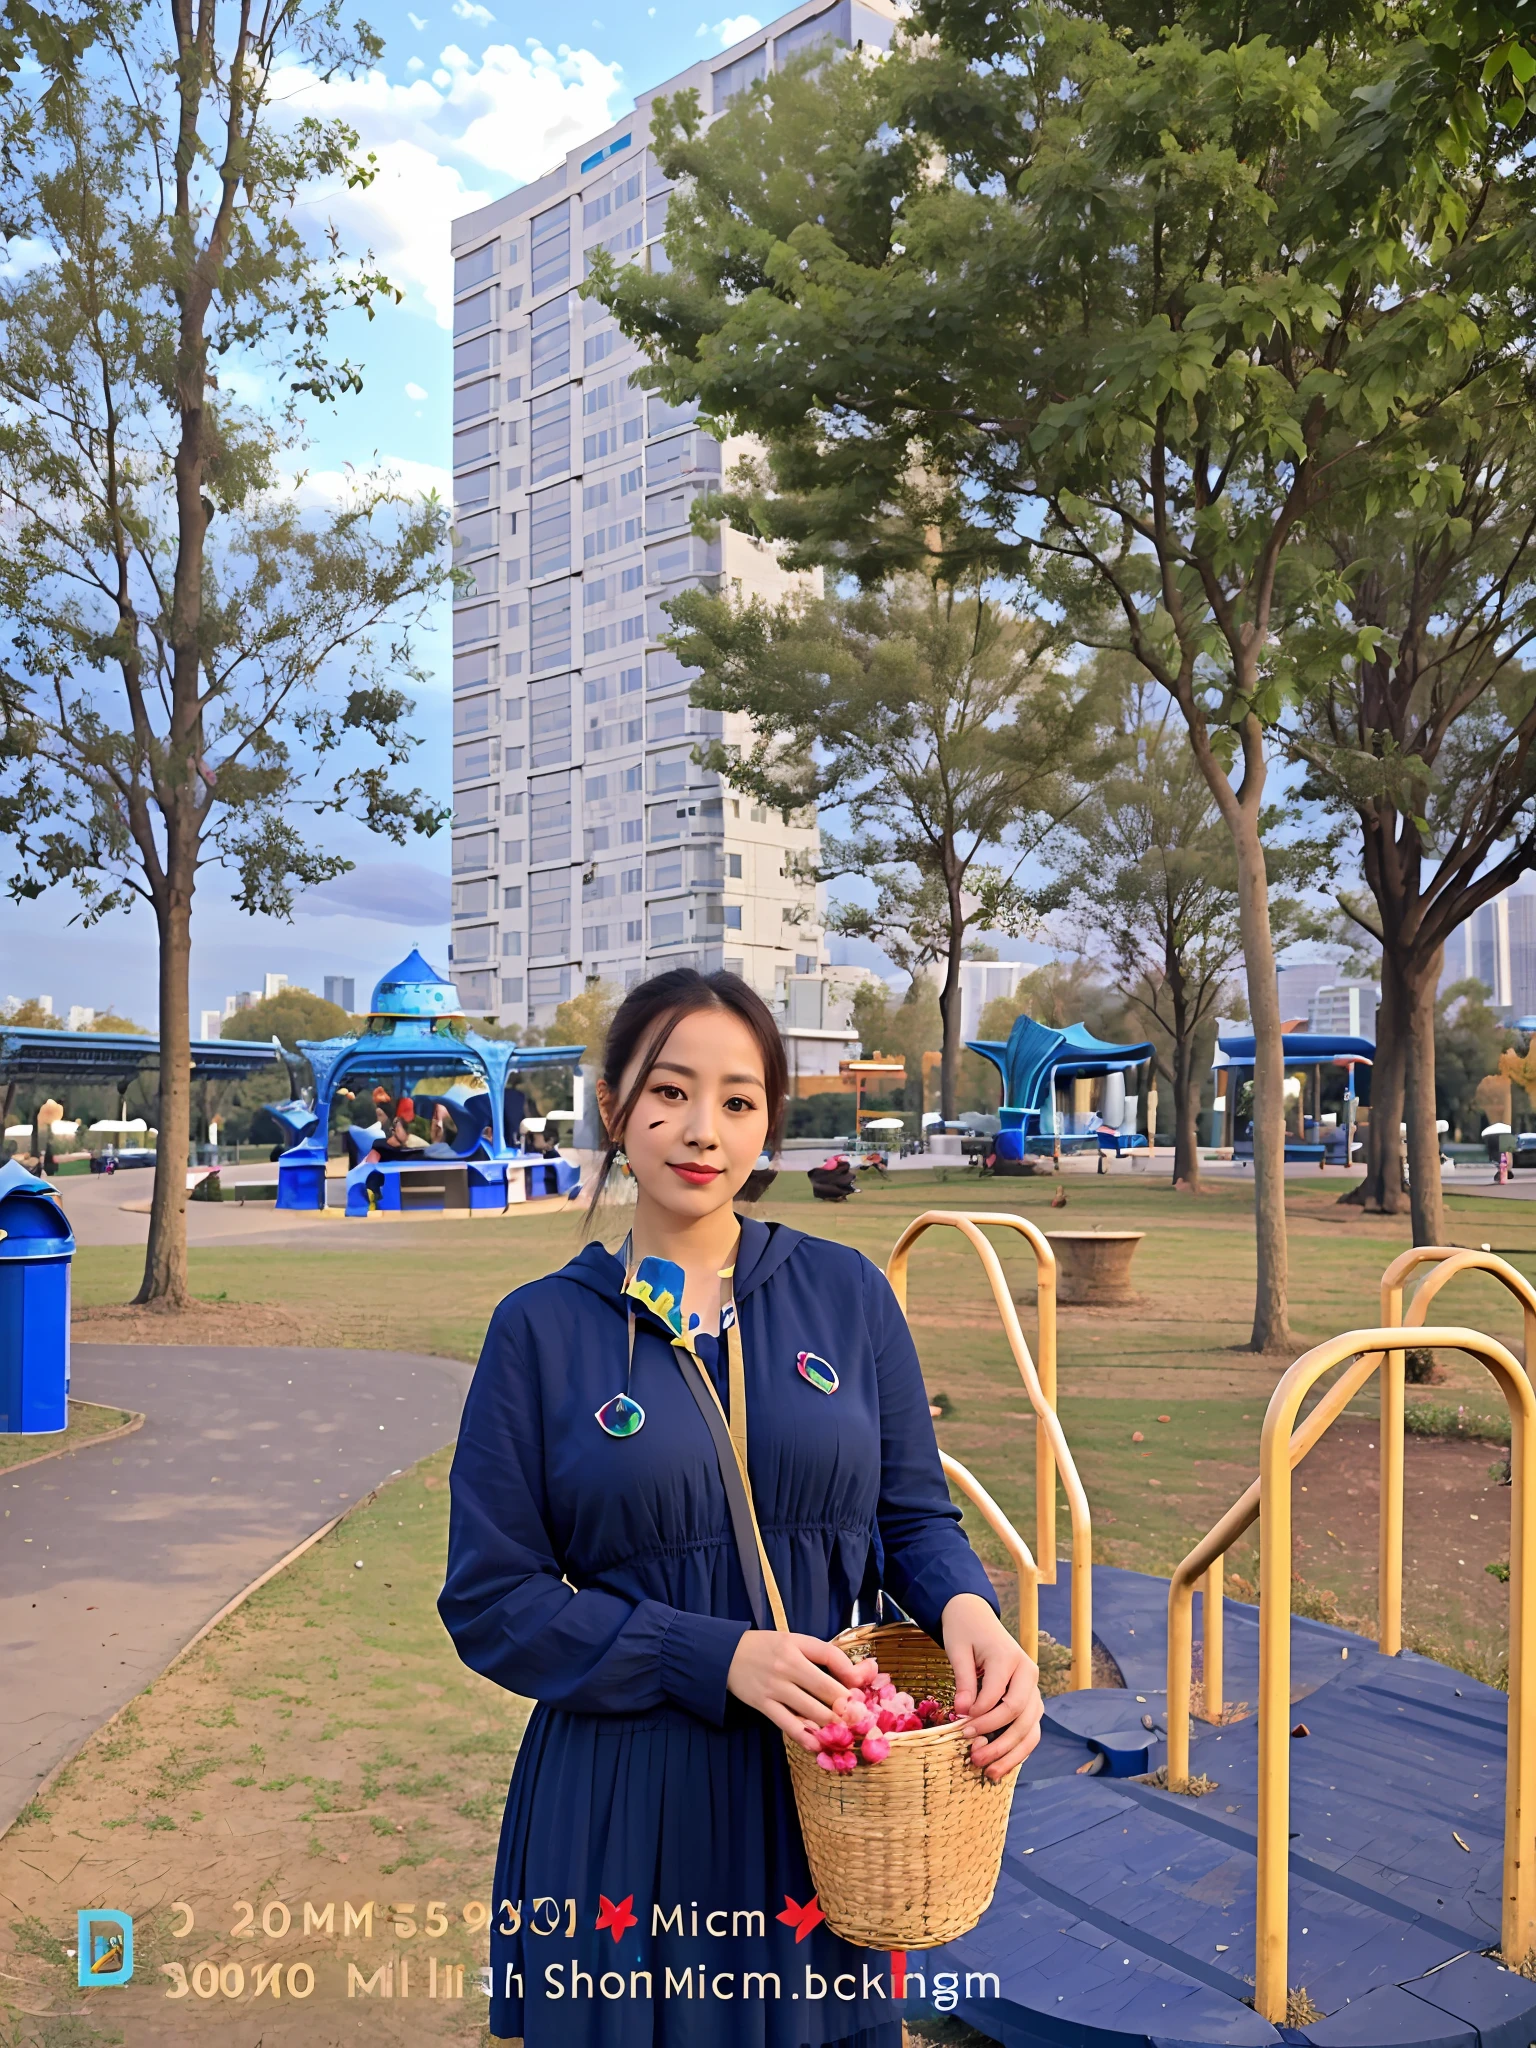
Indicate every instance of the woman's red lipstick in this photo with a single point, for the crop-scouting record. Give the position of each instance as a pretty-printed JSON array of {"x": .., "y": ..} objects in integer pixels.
[{"x": 695, "y": 1175}]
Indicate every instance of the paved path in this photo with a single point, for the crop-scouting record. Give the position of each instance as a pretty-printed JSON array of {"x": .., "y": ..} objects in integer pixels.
[{"x": 113, "y": 1556}]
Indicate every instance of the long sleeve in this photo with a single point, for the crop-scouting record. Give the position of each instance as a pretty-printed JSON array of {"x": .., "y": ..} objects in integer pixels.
[
  {"x": 506, "y": 1604},
  {"x": 927, "y": 1557}
]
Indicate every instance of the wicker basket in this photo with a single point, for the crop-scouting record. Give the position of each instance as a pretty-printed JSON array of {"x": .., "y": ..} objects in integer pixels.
[{"x": 905, "y": 1854}]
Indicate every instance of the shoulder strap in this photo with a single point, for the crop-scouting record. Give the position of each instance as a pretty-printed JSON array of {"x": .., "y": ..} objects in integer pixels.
[{"x": 730, "y": 1441}]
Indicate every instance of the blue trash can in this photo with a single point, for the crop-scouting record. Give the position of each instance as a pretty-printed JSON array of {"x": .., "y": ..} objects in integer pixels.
[{"x": 36, "y": 1246}]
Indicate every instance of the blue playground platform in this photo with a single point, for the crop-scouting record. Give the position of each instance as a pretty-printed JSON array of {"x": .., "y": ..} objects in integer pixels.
[{"x": 1124, "y": 1916}]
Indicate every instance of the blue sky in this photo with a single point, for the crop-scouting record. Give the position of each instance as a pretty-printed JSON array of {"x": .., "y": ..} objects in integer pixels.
[{"x": 468, "y": 102}]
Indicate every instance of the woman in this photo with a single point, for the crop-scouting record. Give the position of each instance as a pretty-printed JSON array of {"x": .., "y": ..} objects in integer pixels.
[{"x": 651, "y": 1884}]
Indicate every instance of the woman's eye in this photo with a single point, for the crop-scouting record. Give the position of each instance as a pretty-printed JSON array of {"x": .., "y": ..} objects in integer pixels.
[
  {"x": 739, "y": 1103},
  {"x": 668, "y": 1092}
]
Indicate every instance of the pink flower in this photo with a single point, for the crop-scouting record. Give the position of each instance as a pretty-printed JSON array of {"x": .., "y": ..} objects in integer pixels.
[
  {"x": 875, "y": 1748},
  {"x": 844, "y": 1760},
  {"x": 859, "y": 1719},
  {"x": 887, "y": 1720},
  {"x": 907, "y": 1723},
  {"x": 835, "y": 1735},
  {"x": 903, "y": 1703},
  {"x": 826, "y": 1761}
]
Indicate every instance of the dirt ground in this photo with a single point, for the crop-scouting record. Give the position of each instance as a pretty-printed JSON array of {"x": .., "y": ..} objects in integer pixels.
[{"x": 1455, "y": 1524}]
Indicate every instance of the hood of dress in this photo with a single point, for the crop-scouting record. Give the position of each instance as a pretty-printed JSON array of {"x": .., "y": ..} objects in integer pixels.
[{"x": 764, "y": 1249}]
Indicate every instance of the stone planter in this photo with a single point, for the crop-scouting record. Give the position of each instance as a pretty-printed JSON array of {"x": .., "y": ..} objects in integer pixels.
[{"x": 1093, "y": 1267}]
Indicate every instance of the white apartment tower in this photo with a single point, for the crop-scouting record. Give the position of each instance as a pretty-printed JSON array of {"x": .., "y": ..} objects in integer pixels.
[{"x": 586, "y": 842}]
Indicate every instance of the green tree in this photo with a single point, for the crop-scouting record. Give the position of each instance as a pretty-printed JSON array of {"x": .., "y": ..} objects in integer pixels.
[
  {"x": 1123, "y": 316},
  {"x": 1418, "y": 730},
  {"x": 584, "y": 1018},
  {"x": 1152, "y": 879},
  {"x": 292, "y": 1014},
  {"x": 935, "y": 717},
  {"x": 200, "y": 669}
]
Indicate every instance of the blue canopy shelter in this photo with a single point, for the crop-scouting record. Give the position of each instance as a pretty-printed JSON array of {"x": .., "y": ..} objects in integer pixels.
[
  {"x": 1308, "y": 1055},
  {"x": 1035, "y": 1063},
  {"x": 416, "y": 1030}
]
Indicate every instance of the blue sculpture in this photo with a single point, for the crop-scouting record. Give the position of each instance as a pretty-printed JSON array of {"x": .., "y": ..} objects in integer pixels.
[
  {"x": 1032, "y": 1062},
  {"x": 416, "y": 1028}
]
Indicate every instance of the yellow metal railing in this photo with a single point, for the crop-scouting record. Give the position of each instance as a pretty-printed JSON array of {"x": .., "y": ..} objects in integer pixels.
[
  {"x": 1277, "y": 1459},
  {"x": 1018, "y": 1550},
  {"x": 1449, "y": 1261},
  {"x": 1052, "y": 1455},
  {"x": 1204, "y": 1562}
]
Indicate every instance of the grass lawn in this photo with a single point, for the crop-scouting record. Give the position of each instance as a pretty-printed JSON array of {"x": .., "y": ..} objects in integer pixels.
[
  {"x": 87, "y": 1421},
  {"x": 1177, "y": 1352},
  {"x": 324, "y": 1745}
]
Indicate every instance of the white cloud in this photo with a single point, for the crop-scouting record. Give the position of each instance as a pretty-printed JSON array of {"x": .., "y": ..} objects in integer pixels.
[
  {"x": 415, "y": 20},
  {"x": 325, "y": 489},
  {"x": 471, "y": 10},
  {"x": 415, "y": 391},
  {"x": 414, "y": 64},
  {"x": 481, "y": 126},
  {"x": 734, "y": 28}
]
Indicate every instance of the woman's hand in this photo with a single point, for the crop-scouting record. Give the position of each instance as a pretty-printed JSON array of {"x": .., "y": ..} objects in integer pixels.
[
  {"x": 791, "y": 1679},
  {"x": 997, "y": 1687}
]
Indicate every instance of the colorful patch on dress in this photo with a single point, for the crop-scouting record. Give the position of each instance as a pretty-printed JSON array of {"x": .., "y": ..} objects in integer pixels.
[
  {"x": 658, "y": 1286},
  {"x": 817, "y": 1372}
]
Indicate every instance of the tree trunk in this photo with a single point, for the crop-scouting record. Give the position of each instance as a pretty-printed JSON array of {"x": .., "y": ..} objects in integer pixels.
[
  {"x": 1271, "y": 1319},
  {"x": 1186, "y": 1105},
  {"x": 949, "y": 1011},
  {"x": 165, "y": 1257},
  {"x": 1428, "y": 1210},
  {"x": 1381, "y": 1191}
]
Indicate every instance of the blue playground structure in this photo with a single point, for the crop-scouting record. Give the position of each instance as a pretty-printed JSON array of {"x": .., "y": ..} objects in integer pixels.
[
  {"x": 416, "y": 1031},
  {"x": 1039, "y": 1066},
  {"x": 1310, "y": 1056}
]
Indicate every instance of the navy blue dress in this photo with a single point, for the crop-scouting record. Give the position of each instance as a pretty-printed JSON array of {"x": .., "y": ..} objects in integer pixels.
[{"x": 651, "y": 1885}]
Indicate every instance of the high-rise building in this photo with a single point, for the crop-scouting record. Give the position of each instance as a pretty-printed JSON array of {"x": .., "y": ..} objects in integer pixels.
[
  {"x": 210, "y": 1024},
  {"x": 587, "y": 843},
  {"x": 1496, "y": 945},
  {"x": 339, "y": 989}
]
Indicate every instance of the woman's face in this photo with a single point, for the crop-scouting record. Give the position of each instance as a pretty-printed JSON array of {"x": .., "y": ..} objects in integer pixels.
[{"x": 701, "y": 1121}]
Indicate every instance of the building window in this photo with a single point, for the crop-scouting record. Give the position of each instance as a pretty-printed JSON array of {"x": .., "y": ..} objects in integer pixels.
[
  {"x": 549, "y": 350},
  {"x": 549, "y": 819},
  {"x": 731, "y": 79},
  {"x": 471, "y": 357},
  {"x": 632, "y": 881},
  {"x": 476, "y": 851},
  {"x": 549, "y": 531},
  {"x": 549, "y": 248},
  {"x": 549, "y": 435},
  {"x": 549, "y": 985},
  {"x": 549, "y": 627},
  {"x": 733, "y": 866},
  {"x": 733, "y": 917},
  {"x": 632, "y": 933},
  {"x": 666, "y": 925},
  {"x": 512, "y": 898},
  {"x": 473, "y": 444},
  {"x": 479, "y": 623},
  {"x": 472, "y": 401},
  {"x": 594, "y": 938},
  {"x": 479, "y": 311},
  {"x": 474, "y": 268},
  {"x": 511, "y": 989},
  {"x": 512, "y": 945},
  {"x": 632, "y": 829}
]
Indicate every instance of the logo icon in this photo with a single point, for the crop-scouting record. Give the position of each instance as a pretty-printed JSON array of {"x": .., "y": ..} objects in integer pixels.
[
  {"x": 617, "y": 1918},
  {"x": 105, "y": 1952},
  {"x": 804, "y": 1919},
  {"x": 816, "y": 1371}
]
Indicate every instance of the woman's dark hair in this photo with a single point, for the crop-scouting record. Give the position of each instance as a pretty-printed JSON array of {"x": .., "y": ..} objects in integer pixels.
[{"x": 646, "y": 1019}]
